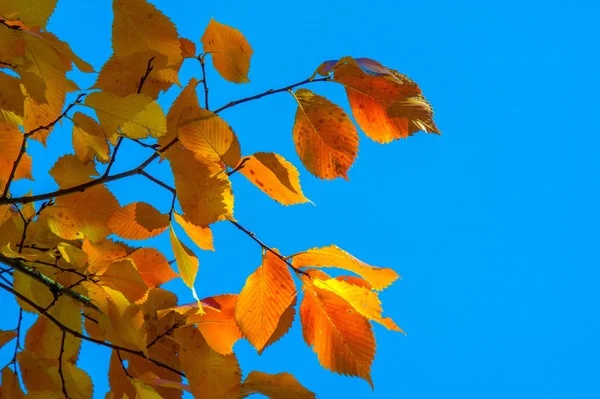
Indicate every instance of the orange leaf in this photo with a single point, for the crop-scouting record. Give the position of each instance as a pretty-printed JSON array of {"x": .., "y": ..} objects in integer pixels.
[
  {"x": 89, "y": 140},
  {"x": 275, "y": 176},
  {"x": 333, "y": 256},
  {"x": 6, "y": 337},
  {"x": 219, "y": 327},
  {"x": 78, "y": 215},
  {"x": 341, "y": 337},
  {"x": 209, "y": 374},
  {"x": 202, "y": 236},
  {"x": 203, "y": 190},
  {"x": 102, "y": 254},
  {"x": 10, "y": 386},
  {"x": 187, "y": 264},
  {"x": 11, "y": 99},
  {"x": 139, "y": 26},
  {"x": 138, "y": 221},
  {"x": 266, "y": 295},
  {"x": 230, "y": 51},
  {"x": 124, "y": 277},
  {"x": 32, "y": 12},
  {"x": 10, "y": 142},
  {"x": 152, "y": 266},
  {"x": 275, "y": 386},
  {"x": 188, "y": 48},
  {"x": 69, "y": 171},
  {"x": 184, "y": 105},
  {"x": 284, "y": 325},
  {"x": 209, "y": 137},
  {"x": 325, "y": 138}
]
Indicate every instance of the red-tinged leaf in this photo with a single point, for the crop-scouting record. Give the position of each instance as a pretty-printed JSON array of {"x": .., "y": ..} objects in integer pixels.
[
  {"x": 230, "y": 51},
  {"x": 325, "y": 138},
  {"x": 275, "y": 176},
  {"x": 152, "y": 266},
  {"x": 138, "y": 221},
  {"x": 274, "y": 386},
  {"x": 265, "y": 297}
]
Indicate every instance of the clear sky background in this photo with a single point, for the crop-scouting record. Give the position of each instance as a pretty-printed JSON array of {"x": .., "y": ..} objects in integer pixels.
[{"x": 493, "y": 225}]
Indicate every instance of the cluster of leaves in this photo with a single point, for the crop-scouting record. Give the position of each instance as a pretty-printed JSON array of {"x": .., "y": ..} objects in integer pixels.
[{"x": 60, "y": 262}]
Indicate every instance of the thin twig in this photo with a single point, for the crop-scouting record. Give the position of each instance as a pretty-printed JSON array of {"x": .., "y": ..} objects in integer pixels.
[
  {"x": 18, "y": 343},
  {"x": 240, "y": 166},
  {"x": 155, "y": 180},
  {"x": 202, "y": 65},
  {"x": 123, "y": 364},
  {"x": 60, "y": 363},
  {"x": 85, "y": 337},
  {"x": 168, "y": 332},
  {"x": 15, "y": 27},
  {"x": 113, "y": 158},
  {"x": 149, "y": 69}
]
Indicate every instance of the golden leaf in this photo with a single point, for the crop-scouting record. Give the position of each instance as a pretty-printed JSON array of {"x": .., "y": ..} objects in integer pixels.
[
  {"x": 188, "y": 48},
  {"x": 73, "y": 255},
  {"x": 284, "y": 325},
  {"x": 266, "y": 295},
  {"x": 135, "y": 116},
  {"x": 122, "y": 323},
  {"x": 11, "y": 99},
  {"x": 11, "y": 139},
  {"x": 144, "y": 391},
  {"x": 10, "y": 386},
  {"x": 219, "y": 327},
  {"x": 341, "y": 337},
  {"x": 69, "y": 171},
  {"x": 123, "y": 276},
  {"x": 102, "y": 254},
  {"x": 6, "y": 336},
  {"x": 31, "y": 12},
  {"x": 275, "y": 386},
  {"x": 89, "y": 140},
  {"x": 412, "y": 115},
  {"x": 138, "y": 26},
  {"x": 203, "y": 190},
  {"x": 120, "y": 383},
  {"x": 209, "y": 137},
  {"x": 275, "y": 176},
  {"x": 138, "y": 221},
  {"x": 36, "y": 376},
  {"x": 187, "y": 264},
  {"x": 78, "y": 215},
  {"x": 185, "y": 103},
  {"x": 325, "y": 138},
  {"x": 152, "y": 266},
  {"x": 209, "y": 374},
  {"x": 201, "y": 236},
  {"x": 230, "y": 51},
  {"x": 333, "y": 256}
]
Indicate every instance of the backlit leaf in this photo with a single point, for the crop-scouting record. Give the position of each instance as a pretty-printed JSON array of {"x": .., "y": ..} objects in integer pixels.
[
  {"x": 89, "y": 140},
  {"x": 230, "y": 51},
  {"x": 275, "y": 176},
  {"x": 325, "y": 138},
  {"x": 187, "y": 263},
  {"x": 266, "y": 295},
  {"x": 11, "y": 99},
  {"x": 333, "y": 256},
  {"x": 10, "y": 142},
  {"x": 31, "y": 12},
  {"x": 284, "y": 325},
  {"x": 152, "y": 266},
  {"x": 135, "y": 116},
  {"x": 123, "y": 276},
  {"x": 69, "y": 171},
  {"x": 6, "y": 336},
  {"x": 275, "y": 386},
  {"x": 201, "y": 236},
  {"x": 138, "y": 221}
]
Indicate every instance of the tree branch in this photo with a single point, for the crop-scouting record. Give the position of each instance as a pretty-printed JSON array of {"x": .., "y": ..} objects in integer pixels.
[
  {"x": 18, "y": 343},
  {"x": 202, "y": 64},
  {"x": 149, "y": 69},
  {"x": 77, "y": 334},
  {"x": 60, "y": 363}
]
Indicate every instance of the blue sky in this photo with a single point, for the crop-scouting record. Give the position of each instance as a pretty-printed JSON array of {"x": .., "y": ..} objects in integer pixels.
[{"x": 493, "y": 225}]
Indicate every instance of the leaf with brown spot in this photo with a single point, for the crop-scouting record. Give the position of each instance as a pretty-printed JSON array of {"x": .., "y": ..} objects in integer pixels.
[{"x": 325, "y": 138}]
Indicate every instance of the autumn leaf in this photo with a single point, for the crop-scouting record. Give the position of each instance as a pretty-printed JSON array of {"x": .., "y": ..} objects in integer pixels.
[
  {"x": 263, "y": 300},
  {"x": 201, "y": 236},
  {"x": 6, "y": 336},
  {"x": 152, "y": 266},
  {"x": 230, "y": 51},
  {"x": 135, "y": 116},
  {"x": 89, "y": 140},
  {"x": 325, "y": 138},
  {"x": 412, "y": 115},
  {"x": 187, "y": 264},
  {"x": 69, "y": 171},
  {"x": 11, "y": 99},
  {"x": 210, "y": 375},
  {"x": 283, "y": 326},
  {"x": 138, "y": 26},
  {"x": 72, "y": 255},
  {"x": 138, "y": 221},
  {"x": 188, "y": 48},
  {"x": 102, "y": 254},
  {"x": 31, "y": 12},
  {"x": 274, "y": 386},
  {"x": 275, "y": 176},
  {"x": 333, "y": 256},
  {"x": 10, "y": 386},
  {"x": 123, "y": 277},
  {"x": 11, "y": 139},
  {"x": 203, "y": 190},
  {"x": 341, "y": 337},
  {"x": 80, "y": 215},
  {"x": 209, "y": 137}
]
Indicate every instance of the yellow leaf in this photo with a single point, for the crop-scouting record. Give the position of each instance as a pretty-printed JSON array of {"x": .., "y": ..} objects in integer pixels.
[
  {"x": 11, "y": 139},
  {"x": 363, "y": 300},
  {"x": 275, "y": 386},
  {"x": 185, "y": 103},
  {"x": 122, "y": 323},
  {"x": 11, "y": 99},
  {"x": 230, "y": 51},
  {"x": 203, "y": 190},
  {"x": 201, "y": 236},
  {"x": 325, "y": 138},
  {"x": 66, "y": 53},
  {"x": 31, "y": 12},
  {"x": 102, "y": 254},
  {"x": 275, "y": 176},
  {"x": 73, "y": 255},
  {"x": 152, "y": 266},
  {"x": 135, "y": 116},
  {"x": 6, "y": 337},
  {"x": 187, "y": 264},
  {"x": 219, "y": 327},
  {"x": 69, "y": 171},
  {"x": 124, "y": 277},
  {"x": 138, "y": 221},
  {"x": 412, "y": 115},
  {"x": 333, "y": 256},
  {"x": 10, "y": 387},
  {"x": 144, "y": 391},
  {"x": 78, "y": 383},
  {"x": 209, "y": 137},
  {"x": 209, "y": 374},
  {"x": 341, "y": 337},
  {"x": 266, "y": 295},
  {"x": 37, "y": 377},
  {"x": 78, "y": 215},
  {"x": 138, "y": 26},
  {"x": 89, "y": 140}
]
